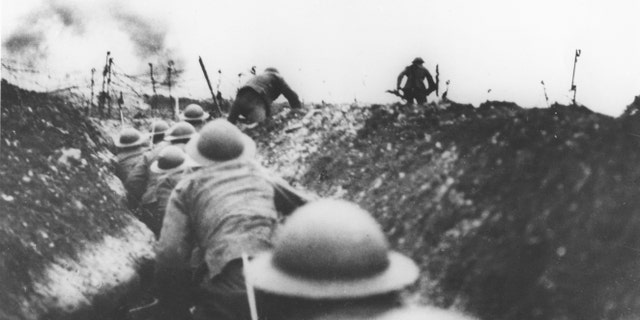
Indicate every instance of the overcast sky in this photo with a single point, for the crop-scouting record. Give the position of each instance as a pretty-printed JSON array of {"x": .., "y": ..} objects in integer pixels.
[{"x": 336, "y": 50}]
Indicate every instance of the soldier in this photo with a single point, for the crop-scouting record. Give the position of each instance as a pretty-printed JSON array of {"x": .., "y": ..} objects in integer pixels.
[
  {"x": 158, "y": 129},
  {"x": 330, "y": 258},
  {"x": 254, "y": 99},
  {"x": 131, "y": 145},
  {"x": 195, "y": 115},
  {"x": 138, "y": 181},
  {"x": 414, "y": 87},
  {"x": 213, "y": 216},
  {"x": 164, "y": 174}
]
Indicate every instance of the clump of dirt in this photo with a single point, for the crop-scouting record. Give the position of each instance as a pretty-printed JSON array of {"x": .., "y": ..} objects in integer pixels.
[
  {"x": 55, "y": 195},
  {"x": 511, "y": 213}
]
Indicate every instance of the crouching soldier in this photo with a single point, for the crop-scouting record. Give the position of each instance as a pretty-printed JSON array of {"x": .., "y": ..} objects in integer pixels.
[
  {"x": 138, "y": 181},
  {"x": 331, "y": 260},
  {"x": 195, "y": 115},
  {"x": 131, "y": 145},
  {"x": 213, "y": 216},
  {"x": 254, "y": 99},
  {"x": 165, "y": 172}
]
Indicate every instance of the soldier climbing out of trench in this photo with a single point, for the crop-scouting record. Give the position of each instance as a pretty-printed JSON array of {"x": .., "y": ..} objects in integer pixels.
[
  {"x": 255, "y": 97},
  {"x": 414, "y": 87}
]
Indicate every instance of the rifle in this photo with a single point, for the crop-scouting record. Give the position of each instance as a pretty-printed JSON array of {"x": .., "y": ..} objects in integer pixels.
[
  {"x": 437, "y": 81},
  {"x": 213, "y": 96},
  {"x": 396, "y": 93},
  {"x": 251, "y": 296}
]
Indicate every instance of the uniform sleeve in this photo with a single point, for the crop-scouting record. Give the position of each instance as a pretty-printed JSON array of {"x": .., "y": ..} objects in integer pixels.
[
  {"x": 288, "y": 93},
  {"x": 137, "y": 181},
  {"x": 432, "y": 84},
  {"x": 400, "y": 76},
  {"x": 173, "y": 251},
  {"x": 174, "y": 245}
]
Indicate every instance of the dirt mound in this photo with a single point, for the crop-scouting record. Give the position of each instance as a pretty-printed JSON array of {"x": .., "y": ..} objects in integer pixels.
[
  {"x": 56, "y": 196},
  {"x": 511, "y": 213}
]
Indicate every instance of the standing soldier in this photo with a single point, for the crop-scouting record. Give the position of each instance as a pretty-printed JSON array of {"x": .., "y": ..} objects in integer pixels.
[
  {"x": 131, "y": 145},
  {"x": 330, "y": 258},
  {"x": 414, "y": 87},
  {"x": 254, "y": 99},
  {"x": 195, "y": 115},
  {"x": 213, "y": 216}
]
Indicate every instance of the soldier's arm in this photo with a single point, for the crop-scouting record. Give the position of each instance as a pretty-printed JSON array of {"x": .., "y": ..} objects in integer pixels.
[
  {"x": 173, "y": 251},
  {"x": 288, "y": 93},
  {"x": 400, "y": 76},
  {"x": 136, "y": 182}
]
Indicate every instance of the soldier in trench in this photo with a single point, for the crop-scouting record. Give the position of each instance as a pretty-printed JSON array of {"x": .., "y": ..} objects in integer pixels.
[
  {"x": 224, "y": 210},
  {"x": 330, "y": 260},
  {"x": 139, "y": 179},
  {"x": 131, "y": 144}
]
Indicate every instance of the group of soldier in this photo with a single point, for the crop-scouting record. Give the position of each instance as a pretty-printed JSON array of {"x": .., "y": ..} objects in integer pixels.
[{"x": 215, "y": 212}]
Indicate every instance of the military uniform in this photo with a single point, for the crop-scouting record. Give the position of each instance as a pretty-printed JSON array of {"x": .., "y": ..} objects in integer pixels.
[
  {"x": 254, "y": 99},
  {"x": 414, "y": 87},
  {"x": 131, "y": 145},
  {"x": 213, "y": 216}
]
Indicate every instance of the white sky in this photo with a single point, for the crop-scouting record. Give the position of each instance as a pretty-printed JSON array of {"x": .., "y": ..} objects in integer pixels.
[{"x": 336, "y": 50}]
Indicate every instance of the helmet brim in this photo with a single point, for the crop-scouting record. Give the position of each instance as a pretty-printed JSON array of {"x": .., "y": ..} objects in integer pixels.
[
  {"x": 144, "y": 138},
  {"x": 204, "y": 116},
  {"x": 248, "y": 150},
  {"x": 187, "y": 163},
  {"x": 264, "y": 275},
  {"x": 174, "y": 138}
]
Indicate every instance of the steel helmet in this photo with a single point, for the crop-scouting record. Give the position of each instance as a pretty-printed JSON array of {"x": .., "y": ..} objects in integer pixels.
[
  {"x": 159, "y": 127},
  {"x": 194, "y": 112},
  {"x": 218, "y": 141},
  {"x": 169, "y": 158},
  {"x": 130, "y": 137},
  {"x": 331, "y": 249}
]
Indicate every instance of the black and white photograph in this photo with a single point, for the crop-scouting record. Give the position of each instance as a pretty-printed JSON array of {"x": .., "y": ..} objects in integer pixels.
[{"x": 320, "y": 160}]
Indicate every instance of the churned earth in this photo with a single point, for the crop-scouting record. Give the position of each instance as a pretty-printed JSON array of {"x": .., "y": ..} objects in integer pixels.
[{"x": 511, "y": 213}]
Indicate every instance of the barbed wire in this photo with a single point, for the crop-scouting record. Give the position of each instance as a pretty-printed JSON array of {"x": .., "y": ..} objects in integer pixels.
[{"x": 42, "y": 79}]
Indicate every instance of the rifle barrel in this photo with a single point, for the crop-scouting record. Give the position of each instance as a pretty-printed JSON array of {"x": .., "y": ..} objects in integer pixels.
[{"x": 206, "y": 76}]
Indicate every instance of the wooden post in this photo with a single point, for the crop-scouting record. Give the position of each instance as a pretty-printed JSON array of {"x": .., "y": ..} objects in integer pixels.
[
  {"x": 103, "y": 94},
  {"x": 169, "y": 80},
  {"x": 109, "y": 85},
  {"x": 93, "y": 71},
  {"x": 153, "y": 86},
  {"x": 574, "y": 88}
]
